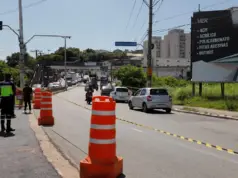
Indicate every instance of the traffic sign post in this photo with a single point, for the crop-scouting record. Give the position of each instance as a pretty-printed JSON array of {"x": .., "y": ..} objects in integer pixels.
[
  {"x": 0, "y": 25},
  {"x": 125, "y": 43}
]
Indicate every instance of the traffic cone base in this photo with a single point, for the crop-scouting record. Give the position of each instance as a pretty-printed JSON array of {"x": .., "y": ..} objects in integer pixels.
[
  {"x": 46, "y": 120},
  {"x": 89, "y": 169}
]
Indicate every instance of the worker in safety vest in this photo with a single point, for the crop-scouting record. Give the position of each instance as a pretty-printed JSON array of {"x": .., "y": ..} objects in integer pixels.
[{"x": 6, "y": 92}]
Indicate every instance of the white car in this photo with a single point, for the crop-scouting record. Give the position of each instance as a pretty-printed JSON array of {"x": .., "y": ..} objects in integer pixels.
[
  {"x": 151, "y": 98},
  {"x": 120, "y": 94}
]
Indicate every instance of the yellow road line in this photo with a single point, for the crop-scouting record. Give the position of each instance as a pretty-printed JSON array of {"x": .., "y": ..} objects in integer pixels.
[{"x": 208, "y": 145}]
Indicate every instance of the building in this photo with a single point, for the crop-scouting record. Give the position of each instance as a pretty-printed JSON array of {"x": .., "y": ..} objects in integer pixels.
[
  {"x": 170, "y": 55},
  {"x": 156, "y": 52}
]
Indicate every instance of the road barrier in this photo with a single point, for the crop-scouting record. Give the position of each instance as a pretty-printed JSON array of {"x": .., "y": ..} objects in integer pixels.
[
  {"x": 102, "y": 160},
  {"x": 37, "y": 98},
  {"x": 46, "y": 113}
]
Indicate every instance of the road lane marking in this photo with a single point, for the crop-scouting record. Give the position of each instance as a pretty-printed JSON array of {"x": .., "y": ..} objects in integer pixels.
[
  {"x": 208, "y": 145},
  {"x": 136, "y": 130}
]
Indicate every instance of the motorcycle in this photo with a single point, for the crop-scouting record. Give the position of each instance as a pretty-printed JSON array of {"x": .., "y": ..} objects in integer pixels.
[{"x": 89, "y": 97}]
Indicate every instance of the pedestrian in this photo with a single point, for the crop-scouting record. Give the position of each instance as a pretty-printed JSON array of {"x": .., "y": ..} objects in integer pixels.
[
  {"x": 27, "y": 96},
  {"x": 7, "y": 90}
]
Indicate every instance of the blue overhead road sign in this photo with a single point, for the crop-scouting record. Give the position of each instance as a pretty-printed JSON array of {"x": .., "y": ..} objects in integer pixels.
[{"x": 124, "y": 43}]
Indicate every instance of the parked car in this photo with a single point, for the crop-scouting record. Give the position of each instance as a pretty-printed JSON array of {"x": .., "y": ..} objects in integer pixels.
[
  {"x": 120, "y": 94},
  {"x": 151, "y": 98}
]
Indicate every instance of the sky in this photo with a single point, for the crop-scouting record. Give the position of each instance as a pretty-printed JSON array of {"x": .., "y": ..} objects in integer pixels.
[{"x": 95, "y": 24}]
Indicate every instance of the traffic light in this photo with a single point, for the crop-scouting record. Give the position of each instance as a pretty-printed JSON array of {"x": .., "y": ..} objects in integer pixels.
[{"x": 0, "y": 25}]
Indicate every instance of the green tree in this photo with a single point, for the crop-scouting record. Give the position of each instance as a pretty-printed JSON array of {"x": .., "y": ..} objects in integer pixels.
[
  {"x": 4, "y": 68},
  {"x": 13, "y": 60},
  {"x": 131, "y": 76},
  {"x": 72, "y": 53}
]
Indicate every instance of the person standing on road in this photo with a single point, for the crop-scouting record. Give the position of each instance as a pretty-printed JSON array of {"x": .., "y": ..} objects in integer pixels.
[
  {"x": 7, "y": 90},
  {"x": 27, "y": 96}
]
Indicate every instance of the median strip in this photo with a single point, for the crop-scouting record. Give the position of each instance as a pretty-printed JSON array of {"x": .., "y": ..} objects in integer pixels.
[{"x": 208, "y": 145}]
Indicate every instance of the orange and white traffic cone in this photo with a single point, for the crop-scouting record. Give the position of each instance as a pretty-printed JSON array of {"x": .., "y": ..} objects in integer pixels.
[
  {"x": 46, "y": 113},
  {"x": 37, "y": 98},
  {"x": 102, "y": 161}
]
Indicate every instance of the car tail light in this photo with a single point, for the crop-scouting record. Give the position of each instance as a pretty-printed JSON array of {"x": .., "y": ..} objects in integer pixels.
[
  {"x": 170, "y": 98},
  {"x": 149, "y": 98}
]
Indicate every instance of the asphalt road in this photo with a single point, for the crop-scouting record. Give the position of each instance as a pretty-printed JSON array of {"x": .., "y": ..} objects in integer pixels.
[
  {"x": 148, "y": 153},
  {"x": 211, "y": 130}
]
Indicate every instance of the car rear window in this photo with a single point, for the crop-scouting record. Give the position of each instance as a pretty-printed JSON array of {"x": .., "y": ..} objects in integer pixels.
[
  {"x": 122, "y": 90},
  {"x": 158, "y": 92}
]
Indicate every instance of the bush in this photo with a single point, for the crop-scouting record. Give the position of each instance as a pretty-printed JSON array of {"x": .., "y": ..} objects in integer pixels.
[{"x": 183, "y": 94}]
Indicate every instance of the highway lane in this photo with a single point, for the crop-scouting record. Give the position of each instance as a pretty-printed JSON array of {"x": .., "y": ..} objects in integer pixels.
[
  {"x": 211, "y": 130},
  {"x": 146, "y": 153}
]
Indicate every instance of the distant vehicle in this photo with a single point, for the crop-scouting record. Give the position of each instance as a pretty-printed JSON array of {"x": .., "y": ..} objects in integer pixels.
[
  {"x": 151, "y": 98},
  {"x": 85, "y": 78},
  {"x": 120, "y": 94},
  {"x": 103, "y": 82},
  {"x": 106, "y": 90},
  {"x": 94, "y": 83}
]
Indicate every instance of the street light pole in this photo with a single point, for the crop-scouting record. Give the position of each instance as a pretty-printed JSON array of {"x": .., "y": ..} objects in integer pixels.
[
  {"x": 21, "y": 44},
  {"x": 65, "y": 62}
]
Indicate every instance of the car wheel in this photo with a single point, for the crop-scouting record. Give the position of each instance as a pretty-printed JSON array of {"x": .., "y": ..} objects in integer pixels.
[
  {"x": 130, "y": 105},
  {"x": 144, "y": 107},
  {"x": 168, "y": 110}
]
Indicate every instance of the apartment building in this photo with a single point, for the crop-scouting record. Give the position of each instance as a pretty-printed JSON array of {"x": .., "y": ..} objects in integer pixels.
[{"x": 170, "y": 55}]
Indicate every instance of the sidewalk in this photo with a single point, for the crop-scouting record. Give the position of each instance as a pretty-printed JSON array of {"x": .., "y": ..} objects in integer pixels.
[
  {"x": 21, "y": 156},
  {"x": 207, "y": 112}
]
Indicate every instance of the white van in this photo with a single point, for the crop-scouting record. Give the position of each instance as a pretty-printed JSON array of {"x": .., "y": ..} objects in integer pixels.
[{"x": 120, "y": 94}]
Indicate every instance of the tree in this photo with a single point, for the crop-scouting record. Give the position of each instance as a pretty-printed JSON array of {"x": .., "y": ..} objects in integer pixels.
[
  {"x": 13, "y": 60},
  {"x": 131, "y": 76},
  {"x": 72, "y": 53},
  {"x": 4, "y": 69}
]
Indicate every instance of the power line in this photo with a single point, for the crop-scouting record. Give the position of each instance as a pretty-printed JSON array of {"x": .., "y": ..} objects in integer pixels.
[
  {"x": 132, "y": 10},
  {"x": 27, "y": 6},
  {"x": 159, "y": 6},
  {"x": 138, "y": 13},
  {"x": 182, "y": 14}
]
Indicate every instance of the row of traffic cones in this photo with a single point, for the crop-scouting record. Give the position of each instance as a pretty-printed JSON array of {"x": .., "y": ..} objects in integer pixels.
[{"x": 43, "y": 101}]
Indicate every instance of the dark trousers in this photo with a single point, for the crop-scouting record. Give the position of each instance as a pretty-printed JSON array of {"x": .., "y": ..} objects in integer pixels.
[
  {"x": 6, "y": 112},
  {"x": 13, "y": 105},
  {"x": 27, "y": 102}
]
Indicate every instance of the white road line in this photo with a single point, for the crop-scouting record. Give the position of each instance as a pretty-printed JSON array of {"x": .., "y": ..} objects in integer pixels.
[{"x": 136, "y": 130}]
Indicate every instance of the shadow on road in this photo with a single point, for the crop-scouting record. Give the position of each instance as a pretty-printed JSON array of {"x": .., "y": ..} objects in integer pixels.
[
  {"x": 153, "y": 111},
  {"x": 3, "y": 134}
]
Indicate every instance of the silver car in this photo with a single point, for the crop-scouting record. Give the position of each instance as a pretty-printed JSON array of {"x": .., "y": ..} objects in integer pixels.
[
  {"x": 151, "y": 98},
  {"x": 120, "y": 94}
]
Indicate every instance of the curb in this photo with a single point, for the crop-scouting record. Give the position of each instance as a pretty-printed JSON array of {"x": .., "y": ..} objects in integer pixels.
[{"x": 206, "y": 114}]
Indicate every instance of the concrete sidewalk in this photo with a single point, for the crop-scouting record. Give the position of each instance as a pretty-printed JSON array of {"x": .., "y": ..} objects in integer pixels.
[
  {"x": 21, "y": 156},
  {"x": 207, "y": 111}
]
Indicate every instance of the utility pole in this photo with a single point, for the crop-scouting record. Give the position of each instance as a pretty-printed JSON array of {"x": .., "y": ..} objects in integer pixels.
[
  {"x": 37, "y": 51},
  {"x": 21, "y": 44},
  {"x": 149, "y": 55}
]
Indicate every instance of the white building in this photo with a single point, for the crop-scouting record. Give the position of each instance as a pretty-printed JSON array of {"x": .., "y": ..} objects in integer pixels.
[{"x": 171, "y": 55}]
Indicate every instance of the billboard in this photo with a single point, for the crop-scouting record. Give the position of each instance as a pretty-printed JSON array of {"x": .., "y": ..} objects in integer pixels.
[{"x": 214, "y": 46}]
